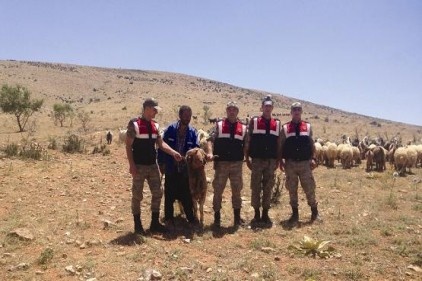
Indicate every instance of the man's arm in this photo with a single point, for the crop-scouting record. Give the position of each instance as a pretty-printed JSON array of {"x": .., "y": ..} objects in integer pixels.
[
  {"x": 130, "y": 137},
  {"x": 167, "y": 149}
]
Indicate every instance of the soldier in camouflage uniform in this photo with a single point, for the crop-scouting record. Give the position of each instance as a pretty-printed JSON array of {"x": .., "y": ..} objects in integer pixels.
[
  {"x": 262, "y": 158},
  {"x": 298, "y": 161},
  {"x": 141, "y": 141},
  {"x": 227, "y": 141}
]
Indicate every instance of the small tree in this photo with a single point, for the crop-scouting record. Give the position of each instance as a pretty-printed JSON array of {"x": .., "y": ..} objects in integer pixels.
[
  {"x": 17, "y": 101},
  {"x": 84, "y": 117},
  {"x": 61, "y": 112}
]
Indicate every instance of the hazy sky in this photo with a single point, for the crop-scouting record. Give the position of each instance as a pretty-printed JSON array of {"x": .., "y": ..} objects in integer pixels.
[{"x": 358, "y": 56}]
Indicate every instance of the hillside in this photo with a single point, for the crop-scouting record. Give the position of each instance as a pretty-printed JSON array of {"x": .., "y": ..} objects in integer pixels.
[{"x": 113, "y": 96}]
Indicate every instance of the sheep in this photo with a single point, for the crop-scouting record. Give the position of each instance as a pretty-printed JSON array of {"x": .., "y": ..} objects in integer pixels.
[
  {"x": 412, "y": 157},
  {"x": 331, "y": 153},
  {"x": 419, "y": 150},
  {"x": 400, "y": 160},
  {"x": 369, "y": 156},
  {"x": 356, "y": 155},
  {"x": 318, "y": 153},
  {"x": 196, "y": 160},
  {"x": 346, "y": 156},
  {"x": 122, "y": 135},
  {"x": 379, "y": 158},
  {"x": 109, "y": 137}
]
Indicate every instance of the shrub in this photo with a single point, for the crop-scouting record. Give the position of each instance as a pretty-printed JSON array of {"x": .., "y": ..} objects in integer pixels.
[
  {"x": 31, "y": 151},
  {"x": 11, "y": 150},
  {"x": 73, "y": 144},
  {"x": 101, "y": 149},
  {"x": 52, "y": 143}
]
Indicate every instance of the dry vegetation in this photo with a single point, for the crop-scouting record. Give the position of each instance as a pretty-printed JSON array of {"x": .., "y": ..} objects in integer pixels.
[{"x": 77, "y": 206}]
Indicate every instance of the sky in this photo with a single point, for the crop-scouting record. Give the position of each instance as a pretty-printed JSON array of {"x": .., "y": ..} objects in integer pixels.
[{"x": 361, "y": 56}]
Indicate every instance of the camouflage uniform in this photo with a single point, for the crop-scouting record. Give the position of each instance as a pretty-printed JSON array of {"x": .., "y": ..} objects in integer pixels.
[
  {"x": 262, "y": 179},
  {"x": 300, "y": 170},
  {"x": 227, "y": 170},
  {"x": 152, "y": 175}
]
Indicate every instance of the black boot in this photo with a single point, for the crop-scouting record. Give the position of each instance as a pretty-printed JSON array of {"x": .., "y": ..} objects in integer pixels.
[
  {"x": 257, "y": 218},
  {"x": 294, "y": 217},
  {"x": 156, "y": 226},
  {"x": 217, "y": 219},
  {"x": 138, "y": 224},
  {"x": 265, "y": 218},
  {"x": 237, "y": 219},
  {"x": 315, "y": 215}
]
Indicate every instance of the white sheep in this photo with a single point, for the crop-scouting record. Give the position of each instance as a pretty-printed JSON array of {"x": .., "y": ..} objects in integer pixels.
[
  {"x": 400, "y": 160},
  {"x": 122, "y": 135},
  {"x": 331, "y": 153},
  {"x": 346, "y": 156},
  {"x": 412, "y": 157},
  {"x": 319, "y": 153}
]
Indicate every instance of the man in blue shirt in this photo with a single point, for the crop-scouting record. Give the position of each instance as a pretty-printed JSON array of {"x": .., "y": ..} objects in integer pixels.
[{"x": 181, "y": 137}]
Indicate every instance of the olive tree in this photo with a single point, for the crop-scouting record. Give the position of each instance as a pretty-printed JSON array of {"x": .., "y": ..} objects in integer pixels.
[
  {"x": 17, "y": 101},
  {"x": 61, "y": 112}
]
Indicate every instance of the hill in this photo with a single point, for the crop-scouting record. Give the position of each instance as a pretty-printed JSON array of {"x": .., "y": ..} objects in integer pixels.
[{"x": 113, "y": 96}]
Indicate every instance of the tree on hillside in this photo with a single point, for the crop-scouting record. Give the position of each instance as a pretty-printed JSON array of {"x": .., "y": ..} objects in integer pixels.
[
  {"x": 61, "y": 112},
  {"x": 17, "y": 101},
  {"x": 85, "y": 119}
]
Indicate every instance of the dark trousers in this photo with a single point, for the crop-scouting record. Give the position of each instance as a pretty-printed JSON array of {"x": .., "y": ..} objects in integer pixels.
[{"x": 176, "y": 186}]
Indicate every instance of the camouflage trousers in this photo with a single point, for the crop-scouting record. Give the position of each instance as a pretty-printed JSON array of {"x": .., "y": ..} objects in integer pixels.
[
  {"x": 151, "y": 174},
  {"x": 225, "y": 170},
  {"x": 300, "y": 170},
  {"x": 262, "y": 180}
]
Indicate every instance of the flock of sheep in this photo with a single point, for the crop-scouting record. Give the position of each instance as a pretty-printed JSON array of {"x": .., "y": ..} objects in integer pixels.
[{"x": 375, "y": 152}]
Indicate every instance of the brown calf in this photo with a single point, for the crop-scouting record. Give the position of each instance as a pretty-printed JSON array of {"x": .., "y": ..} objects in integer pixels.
[{"x": 196, "y": 160}]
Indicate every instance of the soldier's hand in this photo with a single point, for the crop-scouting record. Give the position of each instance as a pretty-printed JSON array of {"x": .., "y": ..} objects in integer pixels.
[
  {"x": 313, "y": 164},
  {"x": 210, "y": 157},
  {"x": 133, "y": 170}
]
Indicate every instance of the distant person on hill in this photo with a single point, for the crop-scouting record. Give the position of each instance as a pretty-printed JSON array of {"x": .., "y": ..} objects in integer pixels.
[
  {"x": 262, "y": 152},
  {"x": 227, "y": 142},
  {"x": 142, "y": 138},
  {"x": 181, "y": 137},
  {"x": 298, "y": 161}
]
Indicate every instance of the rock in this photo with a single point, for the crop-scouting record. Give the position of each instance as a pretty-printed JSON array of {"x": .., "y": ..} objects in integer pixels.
[
  {"x": 152, "y": 274},
  {"x": 70, "y": 269},
  {"x": 91, "y": 279},
  {"x": 22, "y": 233},
  {"x": 267, "y": 249},
  {"x": 415, "y": 268}
]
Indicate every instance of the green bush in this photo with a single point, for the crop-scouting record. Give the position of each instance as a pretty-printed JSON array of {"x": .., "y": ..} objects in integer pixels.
[
  {"x": 52, "y": 143},
  {"x": 72, "y": 144}
]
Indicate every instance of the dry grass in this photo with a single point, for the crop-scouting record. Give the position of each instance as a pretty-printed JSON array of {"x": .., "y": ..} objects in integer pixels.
[{"x": 78, "y": 205}]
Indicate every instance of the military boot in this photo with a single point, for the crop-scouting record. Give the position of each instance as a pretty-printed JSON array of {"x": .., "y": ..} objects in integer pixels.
[
  {"x": 257, "y": 218},
  {"x": 238, "y": 221},
  {"x": 138, "y": 224},
  {"x": 217, "y": 219},
  {"x": 156, "y": 226},
  {"x": 294, "y": 218},
  {"x": 265, "y": 218},
  {"x": 315, "y": 214}
]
